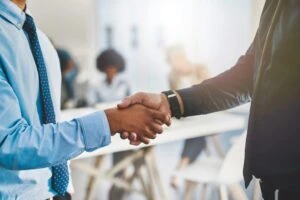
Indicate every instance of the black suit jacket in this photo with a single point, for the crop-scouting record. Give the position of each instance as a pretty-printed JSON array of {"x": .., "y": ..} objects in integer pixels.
[{"x": 268, "y": 75}]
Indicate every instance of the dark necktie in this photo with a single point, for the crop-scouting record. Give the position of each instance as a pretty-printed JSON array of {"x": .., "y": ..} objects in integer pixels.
[{"x": 60, "y": 175}]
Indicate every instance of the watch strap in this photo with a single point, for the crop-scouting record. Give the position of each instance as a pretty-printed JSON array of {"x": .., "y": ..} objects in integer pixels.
[{"x": 174, "y": 103}]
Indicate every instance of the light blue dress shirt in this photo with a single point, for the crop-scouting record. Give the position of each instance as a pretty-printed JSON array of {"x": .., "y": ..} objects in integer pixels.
[{"x": 27, "y": 147}]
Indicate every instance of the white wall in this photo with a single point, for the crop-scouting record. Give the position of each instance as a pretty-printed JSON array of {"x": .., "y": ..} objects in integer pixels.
[
  {"x": 70, "y": 23},
  {"x": 214, "y": 32},
  {"x": 222, "y": 31},
  {"x": 257, "y": 7}
]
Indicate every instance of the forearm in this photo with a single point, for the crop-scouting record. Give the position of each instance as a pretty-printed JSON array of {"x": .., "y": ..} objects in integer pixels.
[
  {"x": 229, "y": 89},
  {"x": 27, "y": 147},
  {"x": 204, "y": 99}
]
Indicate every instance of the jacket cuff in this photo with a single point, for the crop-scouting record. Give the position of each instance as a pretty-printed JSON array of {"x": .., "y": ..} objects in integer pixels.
[{"x": 190, "y": 101}]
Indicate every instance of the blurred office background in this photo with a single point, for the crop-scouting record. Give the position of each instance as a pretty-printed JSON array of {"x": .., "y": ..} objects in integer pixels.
[{"x": 213, "y": 32}]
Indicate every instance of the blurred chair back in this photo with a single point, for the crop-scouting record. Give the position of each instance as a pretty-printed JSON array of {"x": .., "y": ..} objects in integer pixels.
[{"x": 232, "y": 168}]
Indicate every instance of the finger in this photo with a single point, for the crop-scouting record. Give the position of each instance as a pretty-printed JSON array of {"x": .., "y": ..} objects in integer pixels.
[
  {"x": 168, "y": 121},
  {"x": 149, "y": 133},
  {"x": 157, "y": 128},
  {"x": 135, "y": 143},
  {"x": 125, "y": 103},
  {"x": 161, "y": 117},
  {"x": 133, "y": 137},
  {"x": 131, "y": 100},
  {"x": 124, "y": 135},
  {"x": 158, "y": 122},
  {"x": 144, "y": 140}
]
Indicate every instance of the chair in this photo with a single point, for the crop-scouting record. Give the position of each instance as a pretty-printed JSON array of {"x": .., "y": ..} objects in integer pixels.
[{"x": 225, "y": 173}]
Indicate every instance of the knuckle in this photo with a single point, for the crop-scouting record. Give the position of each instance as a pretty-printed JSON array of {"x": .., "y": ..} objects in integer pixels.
[
  {"x": 148, "y": 129},
  {"x": 139, "y": 94},
  {"x": 151, "y": 113},
  {"x": 153, "y": 135}
]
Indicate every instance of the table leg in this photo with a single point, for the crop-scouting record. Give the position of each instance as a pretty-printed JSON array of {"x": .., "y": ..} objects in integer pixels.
[
  {"x": 146, "y": 188},
  {"x": 93, "y": 179},
  {"x": 157, "y": 177},
  {"x": 189, "y": 190},
  {"x": 154, "y": 175},
  {"x": 150, "y": 173},
  {"x": 223, "y": 192},
  {"x": 204, "y": 191},
  {"x": 237, "y": 192},
  {"x": 96, "y": 174},
  {"x": 148, "y": 157}
]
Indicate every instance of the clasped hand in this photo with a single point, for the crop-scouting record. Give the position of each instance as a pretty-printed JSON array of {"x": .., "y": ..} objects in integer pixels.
[{"x": 139, "y": 117}]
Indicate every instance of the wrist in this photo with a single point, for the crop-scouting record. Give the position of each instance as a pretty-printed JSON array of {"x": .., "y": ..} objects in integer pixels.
[
  {"x": 180, "y": 101},
  {"x": 113, "y": 120},
  {"x": 166, "y": 104},
  {"x": 174, "y": 102}
]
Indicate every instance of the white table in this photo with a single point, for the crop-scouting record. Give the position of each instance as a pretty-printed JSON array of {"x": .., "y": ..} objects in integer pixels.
[{"x": 186, "y": 128}]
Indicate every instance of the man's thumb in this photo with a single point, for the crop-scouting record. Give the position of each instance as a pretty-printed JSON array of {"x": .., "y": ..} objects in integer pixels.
[{"x": 125, "y": 103}]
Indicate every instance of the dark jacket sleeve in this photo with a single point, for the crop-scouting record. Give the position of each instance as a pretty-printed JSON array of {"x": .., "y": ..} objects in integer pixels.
[{"x": 227, "y": 90}]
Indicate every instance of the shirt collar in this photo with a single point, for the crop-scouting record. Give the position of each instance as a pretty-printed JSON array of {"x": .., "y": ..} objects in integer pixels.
[{"x": 12, "y": 13}]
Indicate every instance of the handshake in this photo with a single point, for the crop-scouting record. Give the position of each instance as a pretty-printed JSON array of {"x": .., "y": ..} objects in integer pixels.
[{"x": 140, "y": 117}]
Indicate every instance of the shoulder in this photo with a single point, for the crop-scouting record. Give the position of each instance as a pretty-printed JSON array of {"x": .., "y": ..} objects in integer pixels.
[
  {"x": 63, "y": 54},
  {"x": 201, "y": 72},
  {"x": 9, "y": 39},
  {"x": 201, "y": 68},
  {"x": 8, "y": 33},
  {"x": 4, "y": 25}
]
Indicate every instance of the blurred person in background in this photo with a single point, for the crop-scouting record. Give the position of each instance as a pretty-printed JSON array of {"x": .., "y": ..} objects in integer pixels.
[
  {"x": 184, "y": 74},
  {"x": 113, "y": 87},
  {"x": 69, "y": 71}
]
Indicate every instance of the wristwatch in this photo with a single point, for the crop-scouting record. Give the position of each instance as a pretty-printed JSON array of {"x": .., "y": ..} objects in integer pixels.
[{"x": 174, "y": 103}]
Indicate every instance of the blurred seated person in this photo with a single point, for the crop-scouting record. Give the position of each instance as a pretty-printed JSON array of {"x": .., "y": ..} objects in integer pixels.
[
  {"x": 113, "y": 87},
  {"x": 69, "y": 71},
  {"x": 184, "y": 74}
]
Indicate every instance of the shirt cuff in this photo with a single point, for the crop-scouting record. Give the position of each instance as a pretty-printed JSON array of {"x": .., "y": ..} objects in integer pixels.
[{"x": 95, "y": 130}]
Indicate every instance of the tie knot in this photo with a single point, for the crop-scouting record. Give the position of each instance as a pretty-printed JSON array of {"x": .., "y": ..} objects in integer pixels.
[{"x": 29, "y": 24}]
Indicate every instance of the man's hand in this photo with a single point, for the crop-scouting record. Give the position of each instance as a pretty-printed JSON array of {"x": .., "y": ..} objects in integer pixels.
[
  {"x": 139, "y": 119},
  {"x": 151, "y": 100}
]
